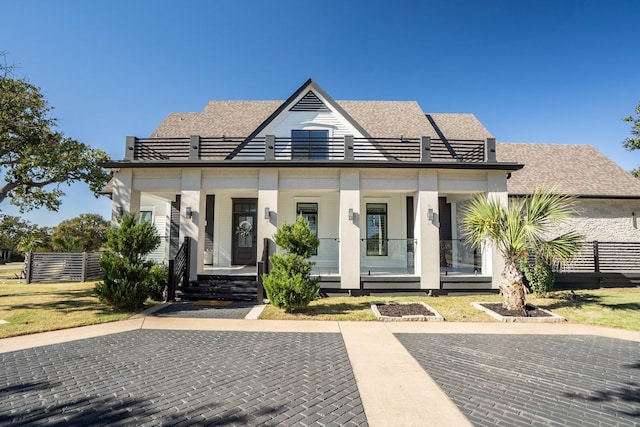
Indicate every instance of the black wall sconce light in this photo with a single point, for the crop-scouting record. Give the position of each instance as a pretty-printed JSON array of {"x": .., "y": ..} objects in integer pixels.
[
  {"x": 350, "y": 214},
  {"x": 188, "y": 212},
  {"x": 267, "y": 213}
]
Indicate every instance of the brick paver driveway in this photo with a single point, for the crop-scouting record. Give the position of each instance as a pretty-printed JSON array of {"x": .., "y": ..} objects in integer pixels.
[
  {"x": 236, "y": 310},
  {"x": 524, "y": 380},
  {"x": 159, "y": 377}
]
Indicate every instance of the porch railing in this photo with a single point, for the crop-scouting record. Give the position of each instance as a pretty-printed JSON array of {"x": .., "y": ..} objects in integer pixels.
[
  {"x": 327, "y": 258},
  {"x": 345, "y": 148},
  {"x": 381, "y": 257},
  {"x": 457, "y": 257}
]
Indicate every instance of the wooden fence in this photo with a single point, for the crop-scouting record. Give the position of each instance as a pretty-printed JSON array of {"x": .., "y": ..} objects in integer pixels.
[
  {"x": 62, "y": 267},
  {"x": 605, "y": 257}
]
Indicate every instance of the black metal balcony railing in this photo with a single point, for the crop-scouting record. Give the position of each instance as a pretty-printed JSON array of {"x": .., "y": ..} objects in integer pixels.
[{"x": 342, "y": 148}]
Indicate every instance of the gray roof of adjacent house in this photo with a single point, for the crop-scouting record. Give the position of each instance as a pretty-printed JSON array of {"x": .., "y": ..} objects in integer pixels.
[
  {"x": 380, "y": 119},
  {"x": 575, "y": 169}
]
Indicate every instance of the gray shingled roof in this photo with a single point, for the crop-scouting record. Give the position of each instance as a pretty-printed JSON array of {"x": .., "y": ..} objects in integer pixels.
[
  {"x": 381, "y": 119},
  {"x": 460, "y": 126},
  {"x": 573, "y": 169},
  {"x": 230, "y": 118},
  {"x": 389, "y": 119}
]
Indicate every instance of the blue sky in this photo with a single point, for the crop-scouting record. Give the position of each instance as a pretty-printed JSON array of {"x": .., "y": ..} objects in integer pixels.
[{"x": 558, "y": 71}]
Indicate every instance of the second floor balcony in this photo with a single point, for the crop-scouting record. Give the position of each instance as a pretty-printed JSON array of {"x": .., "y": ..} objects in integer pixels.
[{"x": 347, "y": 148}]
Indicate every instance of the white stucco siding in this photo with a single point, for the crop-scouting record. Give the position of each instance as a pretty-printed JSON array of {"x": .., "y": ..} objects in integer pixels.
[
  {"x": 462, "y": 182},
  {"x": 388, "y": 180},
  {"x": 229, "y": 178},
  {"x": 309, "y": 179},
  {"x": 157, "y": 180}
]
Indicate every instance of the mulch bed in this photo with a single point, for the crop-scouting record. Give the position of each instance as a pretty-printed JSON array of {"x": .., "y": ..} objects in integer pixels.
[
  {"x": 399, "y": 310},
  {"x": 531, "y": 311}
]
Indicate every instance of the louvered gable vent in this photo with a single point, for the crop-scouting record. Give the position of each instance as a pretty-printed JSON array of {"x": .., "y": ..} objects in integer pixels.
[{"x": 309, "y": 102}]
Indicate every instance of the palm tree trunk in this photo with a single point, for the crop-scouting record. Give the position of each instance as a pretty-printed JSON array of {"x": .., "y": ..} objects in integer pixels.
[{"x": 512, "y": 287}]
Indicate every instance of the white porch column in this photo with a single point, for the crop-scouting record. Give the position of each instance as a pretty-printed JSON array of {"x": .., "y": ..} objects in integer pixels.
[
  {"x": 124, "y": 197},
  {"x": 190, "y": 227},
  {"x": 349, "y": 229},
  {"x": 427, "y": 231},
  {"x": 492, "y": 262},
  {"x": 267, "y": 199}
]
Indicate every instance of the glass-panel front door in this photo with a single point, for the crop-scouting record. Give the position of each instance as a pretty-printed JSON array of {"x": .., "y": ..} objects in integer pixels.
[{"x": 244, "y": 232}]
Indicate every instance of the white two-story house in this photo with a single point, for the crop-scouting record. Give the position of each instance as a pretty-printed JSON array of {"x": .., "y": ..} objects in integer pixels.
[{"x": 381, "y": 183}]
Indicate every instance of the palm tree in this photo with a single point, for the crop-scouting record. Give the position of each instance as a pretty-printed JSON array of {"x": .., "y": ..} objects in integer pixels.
[{"x": 522, "y": 227}]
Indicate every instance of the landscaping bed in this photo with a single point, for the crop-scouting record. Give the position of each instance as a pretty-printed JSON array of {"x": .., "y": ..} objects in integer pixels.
[
  {"x": 531, "y": 313},
  {"x": 407, "y": 311}
]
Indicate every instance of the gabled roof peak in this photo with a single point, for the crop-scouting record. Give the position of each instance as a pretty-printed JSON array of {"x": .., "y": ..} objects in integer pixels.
[{"x": 310, "y": 86}]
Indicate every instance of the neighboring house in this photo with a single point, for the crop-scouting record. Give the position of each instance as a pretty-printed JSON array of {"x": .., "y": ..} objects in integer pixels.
[{"x": 381, "y": 183}]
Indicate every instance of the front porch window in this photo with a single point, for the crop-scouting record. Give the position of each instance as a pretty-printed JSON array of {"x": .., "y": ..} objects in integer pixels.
[
  {"x": 309, "y": 211},
  {"x": 146, "y": 216},
  {"x": 377, "y": 229}
]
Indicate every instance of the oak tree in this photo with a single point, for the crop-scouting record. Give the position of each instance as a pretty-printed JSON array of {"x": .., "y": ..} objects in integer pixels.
[
  {"x": 35, "y": 158},
  {"x": 84, "y": 233}
]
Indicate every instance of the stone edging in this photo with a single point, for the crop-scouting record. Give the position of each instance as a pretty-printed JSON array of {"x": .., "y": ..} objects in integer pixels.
[
  {"x": 553, "y": 318},
  {"x": 437, "y": 317}
]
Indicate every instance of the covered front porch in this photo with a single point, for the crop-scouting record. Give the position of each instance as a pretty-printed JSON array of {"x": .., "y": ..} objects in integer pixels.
[
  {"x": 460, "y": 267},
  {"x": 395, "y": 238}
]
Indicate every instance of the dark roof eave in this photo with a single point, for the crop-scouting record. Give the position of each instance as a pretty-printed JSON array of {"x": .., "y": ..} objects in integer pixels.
[
  {"x": 506, "y": 166},
  {"x": 592, "y": 196}
]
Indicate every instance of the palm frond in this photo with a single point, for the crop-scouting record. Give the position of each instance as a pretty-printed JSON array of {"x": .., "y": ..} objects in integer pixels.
[
  {"x": 522, "y": 226},
  {"x": 560, "y": 249}
]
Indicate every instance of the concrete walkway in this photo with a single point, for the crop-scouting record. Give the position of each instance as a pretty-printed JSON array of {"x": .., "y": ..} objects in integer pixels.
[{"x": 394, "y": 388}]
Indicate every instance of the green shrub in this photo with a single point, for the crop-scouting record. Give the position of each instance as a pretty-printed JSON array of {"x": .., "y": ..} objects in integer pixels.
[
  {"x": 125, "y": 283},
  {"x": 289, "y": 284},
  {"x": 539, "y": 276},
  {"x": 297, "y": 238},
  {"x": 158, "y": 281}
]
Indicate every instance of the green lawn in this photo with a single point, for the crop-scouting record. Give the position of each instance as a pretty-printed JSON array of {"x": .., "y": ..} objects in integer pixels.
[
  {"x": 10, "y": 271},
  {"x": 45, "y": 307},
  {"x": 618, "y": 308}
]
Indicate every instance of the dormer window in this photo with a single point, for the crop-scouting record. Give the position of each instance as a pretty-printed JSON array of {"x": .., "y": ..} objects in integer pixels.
[{"x": 310, "y": 144}]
